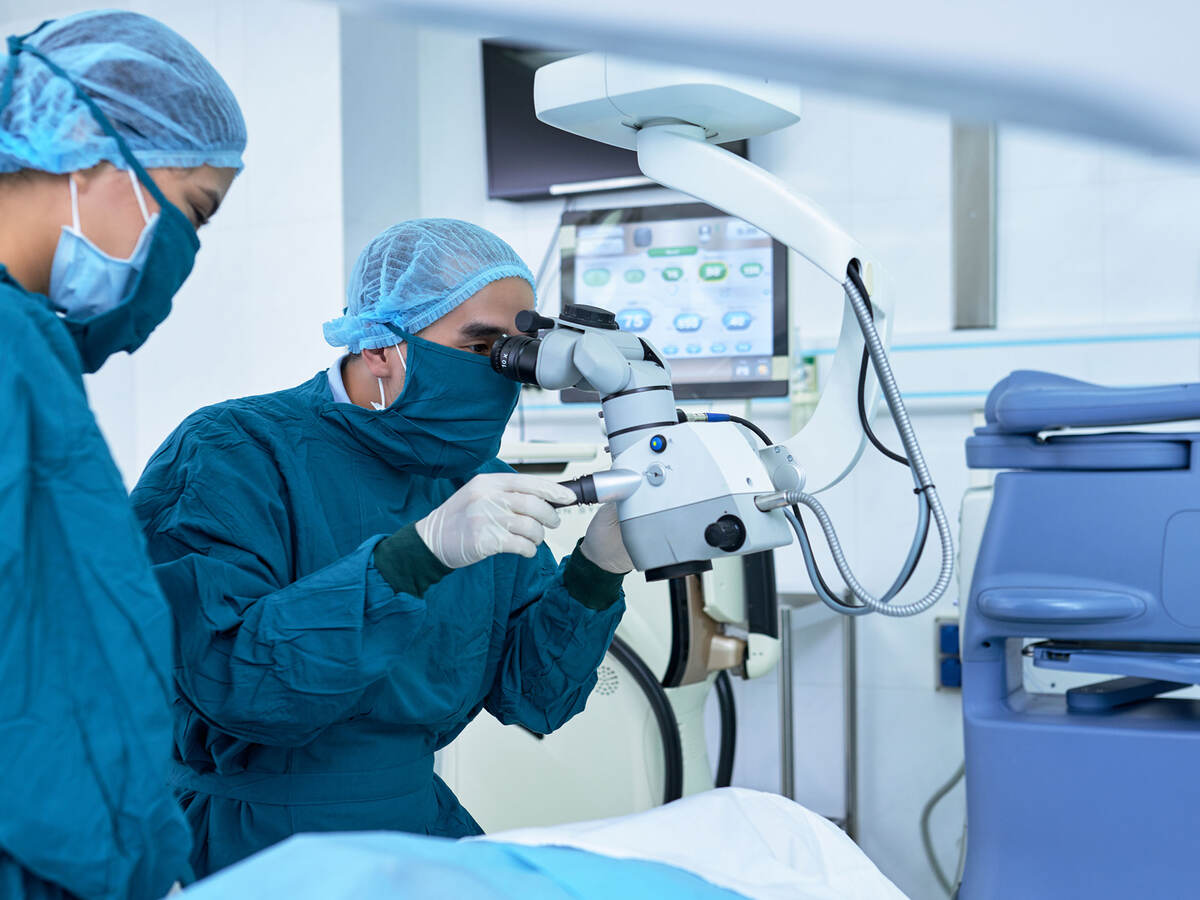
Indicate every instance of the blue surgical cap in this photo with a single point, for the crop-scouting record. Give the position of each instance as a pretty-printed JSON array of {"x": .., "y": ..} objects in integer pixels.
[
  {"x": 161, "y": 95},
  {"x": 416, "y": 272}
]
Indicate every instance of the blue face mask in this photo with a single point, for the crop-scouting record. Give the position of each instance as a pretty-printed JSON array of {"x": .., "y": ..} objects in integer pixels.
[
  {"x": 449, "y": 417},
  {"x": 109, "y": 305},
  {"x": 84, "y": 280}
]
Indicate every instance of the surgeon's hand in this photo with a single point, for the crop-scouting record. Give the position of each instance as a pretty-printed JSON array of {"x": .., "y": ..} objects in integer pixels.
[
  {"x": 603, "y": 544},
  {"x": 493, "y": 514}
]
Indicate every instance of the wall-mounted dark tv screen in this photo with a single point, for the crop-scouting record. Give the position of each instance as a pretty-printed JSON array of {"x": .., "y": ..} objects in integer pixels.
[{"x": 530, "y": 160}]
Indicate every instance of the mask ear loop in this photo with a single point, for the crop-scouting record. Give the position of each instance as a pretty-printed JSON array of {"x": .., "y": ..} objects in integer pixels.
[
  {"x": 383, "y": 404},
  {"x": 137, "y": 192},
  {"x": 74, "y": 204},
  {"x": 76, "y": 225}
]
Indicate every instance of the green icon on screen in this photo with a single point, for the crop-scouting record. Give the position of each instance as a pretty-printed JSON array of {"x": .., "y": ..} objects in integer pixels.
[
  {"x": 752, "y": 269},
  {"x": 713, "y": 271},
  {"x": 596, "y": 277},
  {"x": 634, "y": 276},
  {"x": 673, "y": 273}
]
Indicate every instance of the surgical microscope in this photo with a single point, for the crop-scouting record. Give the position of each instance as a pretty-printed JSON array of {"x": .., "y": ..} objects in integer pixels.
[
  {"x": 691, "y": 487},
  {"x": 695, "y": 491}
]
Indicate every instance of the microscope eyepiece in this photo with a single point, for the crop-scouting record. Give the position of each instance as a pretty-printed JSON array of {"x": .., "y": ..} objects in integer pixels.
[{"x": 516, "y": 357}]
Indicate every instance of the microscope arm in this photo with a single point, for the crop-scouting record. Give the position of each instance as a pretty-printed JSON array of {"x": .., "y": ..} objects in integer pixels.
[{"x": 678, "y": 156}]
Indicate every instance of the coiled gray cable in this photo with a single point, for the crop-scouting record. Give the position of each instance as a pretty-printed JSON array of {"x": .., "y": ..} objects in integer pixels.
[
  {"x": 910, "y": 563},
  {"x": 920, "y": 473}
]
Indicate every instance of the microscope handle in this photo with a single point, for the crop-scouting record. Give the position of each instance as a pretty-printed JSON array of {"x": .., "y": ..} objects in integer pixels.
[
  {"x": 602, "y": 487},
  {"x": 583, "y": 488}
]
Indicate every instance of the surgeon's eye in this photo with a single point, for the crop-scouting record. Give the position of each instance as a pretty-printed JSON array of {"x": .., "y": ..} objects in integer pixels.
[{"x": 481, "y": 349}]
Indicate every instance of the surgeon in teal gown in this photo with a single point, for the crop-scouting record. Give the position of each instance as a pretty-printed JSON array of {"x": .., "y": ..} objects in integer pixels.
[
  {"x": 354, "y": 575},
  {"x": 117, "y": 140}
]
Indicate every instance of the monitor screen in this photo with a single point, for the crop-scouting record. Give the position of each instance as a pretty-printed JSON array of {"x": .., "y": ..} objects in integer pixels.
[
  {"x": 708, "y": 290},
  {"x": 528, "y": 159}
]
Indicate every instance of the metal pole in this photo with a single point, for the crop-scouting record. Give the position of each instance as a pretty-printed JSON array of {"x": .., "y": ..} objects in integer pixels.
[
  {"x": 973, "y": 208},
  {"x": 787, "y": 758},
  {"x": 850, "y": 721}
]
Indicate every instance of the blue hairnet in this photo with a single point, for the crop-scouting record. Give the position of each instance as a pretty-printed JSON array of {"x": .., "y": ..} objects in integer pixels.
[
  {"x": 161, "y": 95},
  {"x": 416, "y": 272}
]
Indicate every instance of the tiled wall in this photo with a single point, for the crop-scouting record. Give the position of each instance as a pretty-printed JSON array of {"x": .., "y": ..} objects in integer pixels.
[{"x": 1092, "y": 234}]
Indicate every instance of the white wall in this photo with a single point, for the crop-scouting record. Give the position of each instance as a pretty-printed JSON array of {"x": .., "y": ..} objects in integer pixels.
[{"x": 1089, "y": 233}]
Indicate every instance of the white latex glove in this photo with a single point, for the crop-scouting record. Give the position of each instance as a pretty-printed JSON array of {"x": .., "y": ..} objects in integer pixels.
[
  {"x": 602, "y": 544},
  {"x": 492, "y": 514}
]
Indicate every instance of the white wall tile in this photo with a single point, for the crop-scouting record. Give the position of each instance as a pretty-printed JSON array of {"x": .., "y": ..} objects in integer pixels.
[
  {"x": 1050, "y": 264},
  {"x": 813, "y": 155},
  {"x": 1073, "y": 212},
  {"x": 899, "y": 153},
  {"x": 911, "y": 743},
  {"x": 110, "y": 396},
  {"x": 1031, "y": 159},
  {"x": 1151, "y": 249},
  {"x": 910, "y": 238}
]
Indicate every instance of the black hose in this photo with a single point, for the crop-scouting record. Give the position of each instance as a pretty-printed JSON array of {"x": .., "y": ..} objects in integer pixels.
[
  {"x": 728, "y": 712},
  {"x": 681, "y": 633},
  {"x": 862, "y": 414},
  {"x": 746, "y": 423},
  {"x": 855, "y": 276},
  {"x": 668, "y": 727}
]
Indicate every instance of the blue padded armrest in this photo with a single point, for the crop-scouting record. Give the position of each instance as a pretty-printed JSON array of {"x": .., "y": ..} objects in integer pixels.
[{"x": 1028, "y": 402}]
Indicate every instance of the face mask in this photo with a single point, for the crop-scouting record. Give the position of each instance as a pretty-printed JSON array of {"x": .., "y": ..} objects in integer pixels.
[
  {"x": 169, "y": 257},
  {"x": 84, "y": 280},
  {"x": 448, "y": 419},
  {"x": 131, "y": 297}
]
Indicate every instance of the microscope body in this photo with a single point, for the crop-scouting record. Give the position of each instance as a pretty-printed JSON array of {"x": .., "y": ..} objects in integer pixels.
[
  {"x": 697, "y": 500},
  {"x": 694, "y": 495}
]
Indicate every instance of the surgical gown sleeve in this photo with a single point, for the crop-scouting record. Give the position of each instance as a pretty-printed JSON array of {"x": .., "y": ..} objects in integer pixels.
[
  {"x": 563, "y": 621},
  {"x": 266, "y": 652}
]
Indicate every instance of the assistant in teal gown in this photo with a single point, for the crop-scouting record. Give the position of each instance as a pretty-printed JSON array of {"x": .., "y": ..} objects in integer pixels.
[{"x": 85, "y": 652}]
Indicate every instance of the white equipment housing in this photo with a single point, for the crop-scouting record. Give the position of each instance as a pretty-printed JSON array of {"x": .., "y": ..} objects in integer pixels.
[{"x": 674, "y": 117}]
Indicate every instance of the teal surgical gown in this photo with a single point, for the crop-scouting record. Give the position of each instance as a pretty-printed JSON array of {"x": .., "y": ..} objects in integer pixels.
[
  {"x": 85, "y": 714},
  {"x": 312, "y": 695}
]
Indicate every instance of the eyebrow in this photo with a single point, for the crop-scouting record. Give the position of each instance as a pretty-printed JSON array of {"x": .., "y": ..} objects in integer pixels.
[{"x": 481, "y": 330}]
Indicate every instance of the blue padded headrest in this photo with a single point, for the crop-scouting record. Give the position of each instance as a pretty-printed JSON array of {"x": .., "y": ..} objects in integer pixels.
[{"x": 1028, "y": 402}]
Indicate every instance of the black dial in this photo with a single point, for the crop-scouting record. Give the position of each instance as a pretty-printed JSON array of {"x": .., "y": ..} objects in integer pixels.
[
  {"x": 727, "y": 533},
  {"x": 591, "y": 316},
  {"x": 529, "y": 322}
]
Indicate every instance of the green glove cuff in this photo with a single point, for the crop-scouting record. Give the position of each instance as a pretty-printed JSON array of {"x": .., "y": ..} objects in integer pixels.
[
  {"x": 406, "y": 564},
  {"x": 591, "y": 585}
]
